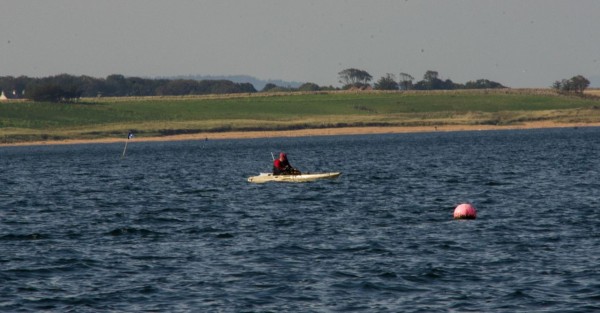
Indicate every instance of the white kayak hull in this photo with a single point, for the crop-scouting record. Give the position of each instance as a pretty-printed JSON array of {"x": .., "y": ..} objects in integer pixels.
[{"x": 268, "y": 177}]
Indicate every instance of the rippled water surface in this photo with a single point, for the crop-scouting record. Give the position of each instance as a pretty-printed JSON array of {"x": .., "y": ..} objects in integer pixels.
[{"x": 175, "y": 227}]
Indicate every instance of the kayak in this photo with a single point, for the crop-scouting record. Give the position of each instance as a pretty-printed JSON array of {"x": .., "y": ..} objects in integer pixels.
[{"x": 267, "y": 177}]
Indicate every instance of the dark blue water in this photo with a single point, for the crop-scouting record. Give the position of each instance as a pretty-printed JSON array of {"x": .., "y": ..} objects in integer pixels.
[{"x": 175, "y": 227}]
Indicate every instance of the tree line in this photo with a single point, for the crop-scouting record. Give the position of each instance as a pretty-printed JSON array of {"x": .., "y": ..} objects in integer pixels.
[
  {"x": 356, "y": 78},
  {"x": 67, "y": 88},
  {"x": 576, "y": 84}
]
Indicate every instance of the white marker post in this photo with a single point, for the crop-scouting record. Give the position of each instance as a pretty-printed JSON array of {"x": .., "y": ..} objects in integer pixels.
[{"x": 129, "y": 136}]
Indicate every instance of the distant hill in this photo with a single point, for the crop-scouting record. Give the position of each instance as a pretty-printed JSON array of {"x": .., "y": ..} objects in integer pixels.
[{"x": 258, "y": 84}]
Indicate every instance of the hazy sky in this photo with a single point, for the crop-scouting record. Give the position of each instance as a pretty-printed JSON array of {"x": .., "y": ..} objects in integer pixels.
[{"x": 519, "y": 43}]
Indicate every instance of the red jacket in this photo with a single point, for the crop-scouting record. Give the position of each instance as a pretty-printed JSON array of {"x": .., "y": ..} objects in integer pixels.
[{"x": 281, "y": 164}]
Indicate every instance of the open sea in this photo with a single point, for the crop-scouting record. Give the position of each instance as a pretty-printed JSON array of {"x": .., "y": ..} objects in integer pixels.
[{"x": 175, "y": 226}]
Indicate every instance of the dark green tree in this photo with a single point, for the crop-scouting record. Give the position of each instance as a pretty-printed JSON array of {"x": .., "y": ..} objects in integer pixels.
[
  {"x": 431, "y": 76},
  {"x": 115, "y": 85},
  {"x": 269, "y": 87},
  {"x": 387, "y": 82},
  {"x": 432, "y": 82},
  {"x": 179, "y": 87},
  {"x": 53, "y": 93},
  {"x": 406, "y": 81},
  {"x": 557, "y": 85},
  {"x": 577, "y": 84},
  {"x": 352, "y": 77},
  {"x": 482, "y": 84},
  {"x": 309, "y": 87}
]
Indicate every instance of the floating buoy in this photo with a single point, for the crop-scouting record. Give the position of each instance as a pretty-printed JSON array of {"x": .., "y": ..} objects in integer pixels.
[{"x": 465, "y": 211}]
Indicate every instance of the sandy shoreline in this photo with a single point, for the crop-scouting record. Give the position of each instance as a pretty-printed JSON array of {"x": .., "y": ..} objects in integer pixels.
[{"x": 313, "y": 132}]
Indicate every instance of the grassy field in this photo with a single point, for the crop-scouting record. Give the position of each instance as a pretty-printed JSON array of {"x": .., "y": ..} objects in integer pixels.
[{"x": 160, "y": 116}]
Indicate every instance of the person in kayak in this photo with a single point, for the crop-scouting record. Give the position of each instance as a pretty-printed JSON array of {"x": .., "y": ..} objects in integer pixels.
[{"x": 282, "y": 166}]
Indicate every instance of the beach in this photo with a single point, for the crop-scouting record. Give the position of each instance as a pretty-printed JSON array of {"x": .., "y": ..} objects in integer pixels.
[{"x": 314, "y": 132}]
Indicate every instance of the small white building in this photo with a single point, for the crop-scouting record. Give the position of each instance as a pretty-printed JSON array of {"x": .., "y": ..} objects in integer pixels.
[{"x": 3, "y": 97}]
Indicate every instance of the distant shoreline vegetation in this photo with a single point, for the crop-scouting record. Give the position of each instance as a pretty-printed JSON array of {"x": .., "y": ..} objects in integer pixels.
[
  {"x": 70, "y": 88},
  {"x": 65, "y": 88}
]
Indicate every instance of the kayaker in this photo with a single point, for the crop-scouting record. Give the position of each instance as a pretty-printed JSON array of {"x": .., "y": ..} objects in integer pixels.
[{"x": 282, "y": 166}]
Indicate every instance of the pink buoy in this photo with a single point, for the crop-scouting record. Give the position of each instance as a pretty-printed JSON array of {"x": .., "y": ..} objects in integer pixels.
[{"x": 465, "y": 211}]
